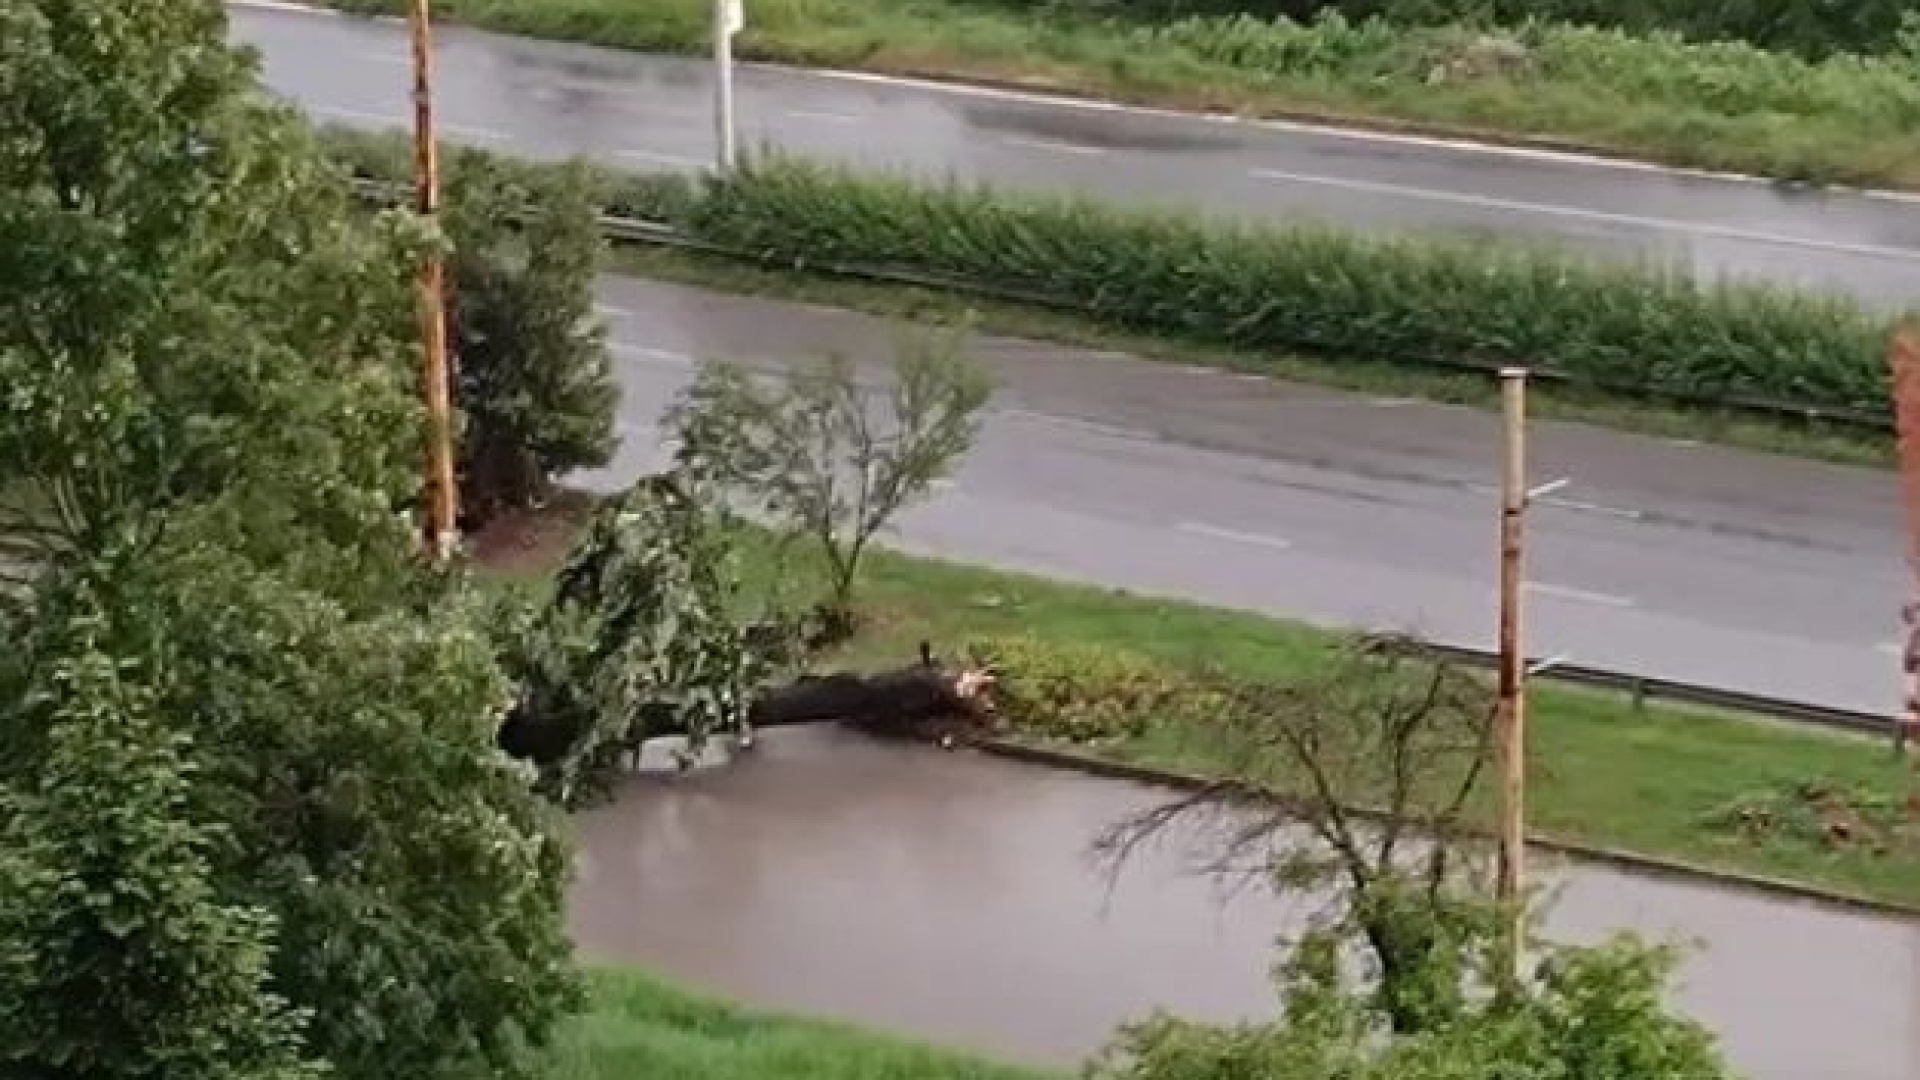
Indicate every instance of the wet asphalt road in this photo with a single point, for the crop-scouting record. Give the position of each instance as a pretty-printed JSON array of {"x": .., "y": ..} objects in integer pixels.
[
  {"x": 650, "y": 113},
  {"x": 1773, "y": 575},
  {"x": 950, "y": 896}
]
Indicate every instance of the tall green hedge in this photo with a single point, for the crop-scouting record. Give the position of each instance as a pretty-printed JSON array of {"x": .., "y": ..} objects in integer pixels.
[
  {"x": 1339, "y": 294},
  {"x": 1808, "y": 27},
  {"x": 1319, "y": 289}
]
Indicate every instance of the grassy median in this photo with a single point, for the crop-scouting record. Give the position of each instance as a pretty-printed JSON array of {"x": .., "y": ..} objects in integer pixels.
[
  {"x": 639, "y": 1027},
  {"x": 1723, "y": 106},
  {"x": 1683, "y": 785}
]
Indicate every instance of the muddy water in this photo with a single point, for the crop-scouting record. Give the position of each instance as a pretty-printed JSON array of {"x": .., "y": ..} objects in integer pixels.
[{"x": 951, "y": 896}]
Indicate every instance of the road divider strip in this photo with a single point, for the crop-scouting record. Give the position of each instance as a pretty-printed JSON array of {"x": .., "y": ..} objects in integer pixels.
[{"x": 1632, "y": 333}]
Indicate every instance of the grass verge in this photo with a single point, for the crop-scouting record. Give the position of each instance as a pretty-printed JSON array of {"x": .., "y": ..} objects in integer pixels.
[
  {"x": 1661, "y": 782},
  {"x": 1716, "y": 106},
  {"x": 1811, "y": 439},
  {"x": 637, "y": 1026}
]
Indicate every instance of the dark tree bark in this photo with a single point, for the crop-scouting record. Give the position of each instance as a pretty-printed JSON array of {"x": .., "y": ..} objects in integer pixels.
[{"x": 922, "y": 700}]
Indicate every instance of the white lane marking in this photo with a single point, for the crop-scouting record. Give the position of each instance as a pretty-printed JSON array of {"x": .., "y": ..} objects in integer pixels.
[
  {"x": 1390, "y": 402},
  {"x": 678, "y": 161},
  {"x": 1215, "y": 532},
  {"x": 821, "y": 117},
  {"x": 1891, "y": 648},
  {"x": 1325, "y": 129},
  {"x": 1577, "y": 505},
  {"x": 1055, "y": 146},
  {"x": 1584, "y": 507},
  {"x": 289, "y": 8},
  {"x": 384, "y": 58},
  {"x": 1488, "y": 202},
  {"x": 1584, "y": 596},
  {"x": 1051, "y": 420},
  {"x": 360, "y": 116},
  {"x": 649, "y": 355}
]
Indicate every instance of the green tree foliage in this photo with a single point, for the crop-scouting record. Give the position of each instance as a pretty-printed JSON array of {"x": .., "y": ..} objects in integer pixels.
[
  {"x": 1591, "y": 1014},
  {"x": 535, "y": 382},
  {"x": 118, "y": 959},
  {"x": 809, "y": 451},
  {"x": 147, "y": 357},
  {"x": 210, "y": 416},
  {"x": 1388, "y": 751},
  {"x": 641, "y": 638}
]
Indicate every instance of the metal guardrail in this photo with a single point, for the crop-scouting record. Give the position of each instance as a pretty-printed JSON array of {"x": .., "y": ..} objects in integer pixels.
[
  {"x": 1644, "y": 688},
  {"x": 1641, "y": 688}
]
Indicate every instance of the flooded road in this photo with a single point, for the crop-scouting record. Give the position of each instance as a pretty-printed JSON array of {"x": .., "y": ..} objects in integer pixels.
[{"x": 950, "y": 895}]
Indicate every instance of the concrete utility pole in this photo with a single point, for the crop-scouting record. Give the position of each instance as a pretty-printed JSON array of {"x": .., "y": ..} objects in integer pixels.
[
  {"x": 1511, "y": 719},
  {"x": 441, "y": 494},
  {"x": 729, "y": 18}
]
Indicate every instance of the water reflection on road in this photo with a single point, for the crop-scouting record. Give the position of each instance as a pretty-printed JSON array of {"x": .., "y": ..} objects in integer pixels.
[{"x": 951, "y": 896}]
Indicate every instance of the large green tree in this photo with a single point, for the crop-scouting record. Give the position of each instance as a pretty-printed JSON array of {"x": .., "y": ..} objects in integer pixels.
[
  {"x": 210, "y": 436},
  {"x": 535, "y": 381}
]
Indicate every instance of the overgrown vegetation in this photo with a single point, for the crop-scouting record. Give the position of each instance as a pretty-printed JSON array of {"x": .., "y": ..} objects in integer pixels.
[
  {"x": 1629, "y": 331},
  {"x": 1809, "y": 27},
  {"x": 1632, "y": 84}
]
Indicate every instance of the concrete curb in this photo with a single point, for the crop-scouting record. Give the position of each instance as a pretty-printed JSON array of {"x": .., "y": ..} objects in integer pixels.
[{"x": 1077, "y": 761}]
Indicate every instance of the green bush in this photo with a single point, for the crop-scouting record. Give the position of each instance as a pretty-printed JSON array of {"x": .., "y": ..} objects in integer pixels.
[
  {"x": 1807, "y": 27},
  {"x": 1085, "y": 695},
  {"x": 1408, "y": 301}
]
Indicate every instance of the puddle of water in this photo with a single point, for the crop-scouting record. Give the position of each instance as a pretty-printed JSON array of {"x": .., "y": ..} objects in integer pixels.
[{"x": 952, "y": 896}]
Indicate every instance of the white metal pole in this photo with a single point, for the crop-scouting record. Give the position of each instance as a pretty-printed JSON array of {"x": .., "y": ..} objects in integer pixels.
[{"x": 727, "y": 18}]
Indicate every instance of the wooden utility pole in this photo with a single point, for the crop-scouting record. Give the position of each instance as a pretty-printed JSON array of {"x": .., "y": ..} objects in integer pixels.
[
  {"x": 441, "y": 494},
  {"x": 1511, "y": 719},
  {"x": 1904, "y": 358}
]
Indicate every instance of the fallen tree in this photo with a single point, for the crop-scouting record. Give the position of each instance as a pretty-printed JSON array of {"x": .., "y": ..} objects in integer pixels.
[{"x": 927, "y": 699}]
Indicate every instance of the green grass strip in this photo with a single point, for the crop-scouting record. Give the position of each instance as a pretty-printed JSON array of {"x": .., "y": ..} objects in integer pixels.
[{"x": 638, "y": 1027}]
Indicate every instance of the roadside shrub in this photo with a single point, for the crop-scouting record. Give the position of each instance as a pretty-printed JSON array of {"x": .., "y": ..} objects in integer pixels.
[
  {"x": 1730, "y": 81},
  {"x": 1808, "y": 27},
  {"x": 1617, "y": 327},
  {"x": 1082, "y": 694}
]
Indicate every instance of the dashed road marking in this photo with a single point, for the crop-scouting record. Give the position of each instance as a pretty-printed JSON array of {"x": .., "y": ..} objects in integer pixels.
[
  {"x": 1584, "y": 596},
  {"x": 654, "y": 157},
  {"x": 822, "y": 117},
  {"x": 1056, "y": 146},
  {"x": 1215, "y": 532},
  {"x": 646, "y": 354}
]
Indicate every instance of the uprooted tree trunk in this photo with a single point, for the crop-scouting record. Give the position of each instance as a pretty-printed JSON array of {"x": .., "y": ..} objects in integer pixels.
[{"x": 921, "y": 700}]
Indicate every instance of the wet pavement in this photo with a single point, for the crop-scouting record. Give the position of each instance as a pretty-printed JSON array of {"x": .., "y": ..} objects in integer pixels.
[
  {"x": 951, "y": 896},
  {"x": 651, "y": 113},
  {"x": 1695, "y": 563}
]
